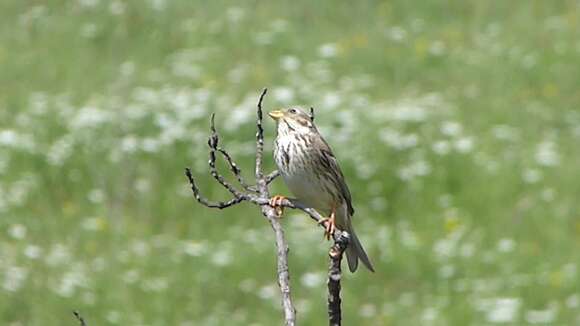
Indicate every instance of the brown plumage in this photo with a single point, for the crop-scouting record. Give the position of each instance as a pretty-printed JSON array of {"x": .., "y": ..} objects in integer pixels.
[{"x": 312, "y": 174}]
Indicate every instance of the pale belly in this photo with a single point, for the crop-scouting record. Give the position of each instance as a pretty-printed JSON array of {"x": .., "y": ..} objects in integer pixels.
[
  {"x": 305, "y": 188},
  {"x": 303, "y": 183}
]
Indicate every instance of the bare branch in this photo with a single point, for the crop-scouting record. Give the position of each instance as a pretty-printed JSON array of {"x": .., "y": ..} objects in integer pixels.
[
  {"x": 273, "y": 175},
  {"x": 269, "y": 178},
  {"x": 79, "y": 318},
  {"x": 236, "y": 170},
  {"x": 334, "y": 276},
  {"x": 282, "y": 265},
  {"x": 202, "y": 200},
  {"x": 213, "y": 143},
  {"x": 260, "y": 145},
  {"x": 258, "y": 195}
]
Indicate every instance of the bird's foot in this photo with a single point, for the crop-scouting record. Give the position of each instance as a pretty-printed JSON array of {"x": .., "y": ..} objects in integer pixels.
[
  {"x": 329, "y": 226},
  {"x": 276, "y": 203}
]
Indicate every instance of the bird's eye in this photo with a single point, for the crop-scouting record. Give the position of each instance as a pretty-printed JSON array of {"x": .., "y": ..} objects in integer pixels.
[{"x": 292, "y": 111}]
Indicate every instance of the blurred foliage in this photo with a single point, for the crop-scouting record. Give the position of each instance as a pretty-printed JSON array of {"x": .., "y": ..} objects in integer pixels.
[{"x": 456, "y": 122}]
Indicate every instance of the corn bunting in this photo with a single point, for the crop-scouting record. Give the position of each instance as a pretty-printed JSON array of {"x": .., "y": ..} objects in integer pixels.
[{"x": 311, "y": 172}]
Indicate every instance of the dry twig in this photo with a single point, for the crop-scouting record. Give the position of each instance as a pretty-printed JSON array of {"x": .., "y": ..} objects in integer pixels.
[{"x": 79, "y": 318}]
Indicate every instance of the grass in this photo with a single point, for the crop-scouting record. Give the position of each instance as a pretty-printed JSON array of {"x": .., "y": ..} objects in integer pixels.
[{"x": 456, "y": 124}]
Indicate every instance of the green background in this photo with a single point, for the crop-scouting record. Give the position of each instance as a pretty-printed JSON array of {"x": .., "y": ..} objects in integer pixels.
[{"x": 456, "y": 123}]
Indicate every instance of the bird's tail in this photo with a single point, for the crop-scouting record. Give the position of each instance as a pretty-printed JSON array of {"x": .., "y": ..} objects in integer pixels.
[{"x": 355, "y": 251}]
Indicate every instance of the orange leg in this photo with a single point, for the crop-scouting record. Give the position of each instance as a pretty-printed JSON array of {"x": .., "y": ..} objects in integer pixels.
[
  {"x": 330, "y": 226},
  {"x": 276, "y": 202}
]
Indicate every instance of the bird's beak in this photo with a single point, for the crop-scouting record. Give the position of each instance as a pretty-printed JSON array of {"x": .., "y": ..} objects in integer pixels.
[{"x": 276, "y": 114}]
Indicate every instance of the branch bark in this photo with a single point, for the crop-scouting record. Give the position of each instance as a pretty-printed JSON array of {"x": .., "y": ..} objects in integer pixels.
[
  {"x": 259, "y": 195},
  {"x": 79, "y": 318},
  {"x": 334, "y": 276}
]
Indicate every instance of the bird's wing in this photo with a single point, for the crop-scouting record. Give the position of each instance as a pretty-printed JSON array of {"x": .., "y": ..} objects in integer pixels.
[{"x": 330, "y": 162}]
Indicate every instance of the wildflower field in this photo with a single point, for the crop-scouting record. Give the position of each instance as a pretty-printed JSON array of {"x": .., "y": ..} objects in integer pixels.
[{"x": 457, "y": 125}]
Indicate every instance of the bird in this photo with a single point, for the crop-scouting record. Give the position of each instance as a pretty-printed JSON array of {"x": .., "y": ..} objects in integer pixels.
[{"x": 311, "y": 172}]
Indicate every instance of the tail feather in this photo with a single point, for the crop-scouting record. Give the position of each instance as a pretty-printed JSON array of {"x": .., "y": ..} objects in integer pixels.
[{"x": 355, "y": 251}]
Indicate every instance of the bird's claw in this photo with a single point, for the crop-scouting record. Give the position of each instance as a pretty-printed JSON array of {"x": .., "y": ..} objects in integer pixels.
[
  {"x": 329, "y": 226},
  {"x": 276, "y": 203}
]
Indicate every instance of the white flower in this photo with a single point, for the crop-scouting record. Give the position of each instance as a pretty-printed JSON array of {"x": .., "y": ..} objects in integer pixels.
[
  {"x": 8, "y": 137},
  {"x": 451, "y": 128},
  {"x": 248, "y": 285},
  {"x": 58, "y": 255},
  {"x": 544, "y": 317},
  {"x": 140, "y": 248},
  {"x": 548, "y": 194},
  {"x": 283, "y": 94},
  {"x": 446, "y": 271},
  {"x": 150, "y": 145},
  {"x": 88, "y": 3},
  {"x": 88, "y": 30},
  {"x": 194, "y": 249},
  {"x": 464, "y": 144},
  {"x": 142, "y": 185},
  {"x": 573, "y": 301},
  {"x": 263, "y": 38},
  {"x": 429, "y": 315},
  {"x": 117, "y": 8},
  {"x": 113, "y": 317},
  {"x": 441, "y": 147},
  {"x": 290, "y": 63},
  {"x": 32, "y": 251},
  {"x": 17, "y": 231},
  {"x": 129, "y": 144},
  {"x": 504, "y": 132},
  {"x": 131, "y": 276},
  {"x": 378, "y": 203},
  {"x": 186, "y": 69},
  {"x": 407, "y": 236},
  {"x": 157, "y": 284},
  {"x": 222, "y": 257},
  {"x": 19, "y": 141},
  {"x": 267, "y": 292},
  {"x": 158, "y": 4},
  {"x": 331, "y": 100},
  {"x": 531, "y": 175},
  {"x": 437, "y": 48},
  {"x": 311, "y": 280},
  {"x": 14, "y": 278},
  {"x": 327, "y": 50},
  {"x": 408, "y": 112},
  {"x": 506, "y": 245},
  {"x": 396, "y": 33},
  {"x": 89, "y": 117},
  {"x": 417, "y": 168},
  {"x": 279, "y": 25},
  {"x": 60, "y": 151},
  {"x": 368, "y": 310},
  {"x": 96, "y": 196},
  {"x": 93, "y": 224},
  {"x": 467, "y": 250},
  {"x": 502, "y": 310},
  {"x": 235, "y": 14},
  {"x": 547, "y": 154},
  {"x": 240, "y": 114},
  {"x": 397, "y": 140},
  {"x": 71, "y": 280}
]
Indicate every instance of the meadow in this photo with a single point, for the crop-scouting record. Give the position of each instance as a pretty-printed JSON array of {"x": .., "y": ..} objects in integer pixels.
[{"x": 457, "y": 125}]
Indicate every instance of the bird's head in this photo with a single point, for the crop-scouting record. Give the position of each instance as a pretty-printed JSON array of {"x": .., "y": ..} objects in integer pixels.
[{"x": 292, "y": 120}]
